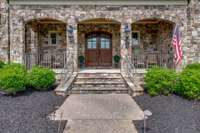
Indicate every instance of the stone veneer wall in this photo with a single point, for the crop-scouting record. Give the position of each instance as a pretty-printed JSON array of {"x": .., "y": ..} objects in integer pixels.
[
  {"x": 193, "y": 47},
  {"x": 155, "y": 37},
  {"x": 187, "y": 18},
  {"x": 3, "y": 31},
  {"x": 74, "y": 14}
]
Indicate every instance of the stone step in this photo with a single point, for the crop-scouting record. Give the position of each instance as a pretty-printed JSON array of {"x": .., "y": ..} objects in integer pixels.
[
  {"x": 100, "y": 80},
  {"x": 100, "y": 85},
  {"x": 100, "y": 89},
  {"x": 98, "y": 77},
  {"x": 103, "y": 75}
]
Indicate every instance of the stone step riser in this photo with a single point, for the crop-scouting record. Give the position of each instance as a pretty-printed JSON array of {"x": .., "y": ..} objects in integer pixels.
[
  {"x": 103, "y": 75},
  {"x": 98, "y": 92},
  {"x": 99, "y": 85},
  {"x": 98, "y": 80}
]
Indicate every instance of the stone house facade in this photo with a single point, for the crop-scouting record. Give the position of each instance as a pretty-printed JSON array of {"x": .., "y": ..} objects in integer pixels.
[{"x": 59, "y": 32}]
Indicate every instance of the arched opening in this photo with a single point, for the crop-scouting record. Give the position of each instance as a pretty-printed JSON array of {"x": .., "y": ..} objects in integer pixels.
[
  {"x": 45, "y": 43},
  {"x": 152, "y": 43},
  {"x": 99, "y": 42}
]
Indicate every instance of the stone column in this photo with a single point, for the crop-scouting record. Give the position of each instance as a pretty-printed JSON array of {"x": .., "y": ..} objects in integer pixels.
[
  {"x": 125, "y": 46},
  {"x": 16, "y": 36},
  {"x": 72, "y": 43}
]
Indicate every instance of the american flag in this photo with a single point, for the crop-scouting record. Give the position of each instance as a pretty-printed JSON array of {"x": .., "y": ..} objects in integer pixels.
[{"x": 176, "y": 42}]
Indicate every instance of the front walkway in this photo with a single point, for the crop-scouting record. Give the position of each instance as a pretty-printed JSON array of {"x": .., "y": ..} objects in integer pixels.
[{"x": 100, "y": 113}]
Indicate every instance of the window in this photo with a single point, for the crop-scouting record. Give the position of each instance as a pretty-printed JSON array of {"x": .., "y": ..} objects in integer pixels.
[
  {"x": 92, "y": 43},
  {"x": 53, "y": 38},
  {"x": 105, "y": 43},
  {"x": 135, "y": 38}
]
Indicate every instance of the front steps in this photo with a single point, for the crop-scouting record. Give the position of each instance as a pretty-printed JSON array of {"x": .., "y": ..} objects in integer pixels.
[{"x": 99, "y": 83}]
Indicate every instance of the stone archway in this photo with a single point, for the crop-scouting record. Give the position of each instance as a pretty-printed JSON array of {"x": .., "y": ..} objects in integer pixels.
[
  {"x": 45, "y": 43},
  {"x": 106, "y": 33},
  {"x": 151, "y": 43}
]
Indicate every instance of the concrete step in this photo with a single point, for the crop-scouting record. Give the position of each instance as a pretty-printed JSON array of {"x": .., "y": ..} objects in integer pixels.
[{"x": 100, "y": 126}]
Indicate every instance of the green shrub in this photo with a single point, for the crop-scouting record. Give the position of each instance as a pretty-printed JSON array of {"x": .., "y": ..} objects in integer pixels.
[
  {"x": 188, "y": 85},
  {"x": 13, "y": 78},
  {"x": 117, "y": 58},
  {"x": 81, "y": 59},
  {"x": 41, "y": 78},
  {"x": 159, "y": 81},
  {"x": 1, "y": 64},
  {"x": 193, "y": 66}
]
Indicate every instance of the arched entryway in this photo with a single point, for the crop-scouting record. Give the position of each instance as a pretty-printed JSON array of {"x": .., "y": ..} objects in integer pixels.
[
  {"x": 99, "y": 42},
  {"x": 45, "y": 43},
  {"x": 152, "y": 43}
]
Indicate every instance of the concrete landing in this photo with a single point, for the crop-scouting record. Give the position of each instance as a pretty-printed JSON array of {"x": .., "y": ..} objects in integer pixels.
[
  {"x": 100, "y": 126},
  {"x": 100, "y": 107}
]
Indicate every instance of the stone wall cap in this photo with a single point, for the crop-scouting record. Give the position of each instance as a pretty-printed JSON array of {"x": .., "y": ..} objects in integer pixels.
[{"x": 99, "y": 2}]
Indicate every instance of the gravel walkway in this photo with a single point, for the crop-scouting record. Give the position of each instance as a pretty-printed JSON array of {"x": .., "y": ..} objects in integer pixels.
[
  {"x": 28, "y": 112},
  {"x": 171, "y": 114}
]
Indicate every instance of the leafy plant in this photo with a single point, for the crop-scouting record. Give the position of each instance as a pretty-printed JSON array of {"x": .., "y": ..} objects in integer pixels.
[
  {"x": 117, "y": 58},
  {"x": 193, "y": 66},
  {"x": 13, "y": 78},
  {"x": 1, "y": 64},
  {"x": 188, "y": 85},
  {"x": 41, "y": 78},
  {"x": 160, "y": 81}
]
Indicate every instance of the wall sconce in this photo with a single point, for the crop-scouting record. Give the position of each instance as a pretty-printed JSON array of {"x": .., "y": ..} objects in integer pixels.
[{"x": 127, "y": 35}]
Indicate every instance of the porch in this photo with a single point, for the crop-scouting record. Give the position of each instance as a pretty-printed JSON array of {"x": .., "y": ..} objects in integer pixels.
[{"x": 98, "y": 42}]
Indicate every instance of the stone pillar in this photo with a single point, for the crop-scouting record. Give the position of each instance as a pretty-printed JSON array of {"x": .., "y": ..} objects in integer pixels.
[
  {"x": 16, "y": 37},
  {"x": 72, "y": 43},
  {"x": 125, "y": 46},
  {"x": 3, "y": 31}
]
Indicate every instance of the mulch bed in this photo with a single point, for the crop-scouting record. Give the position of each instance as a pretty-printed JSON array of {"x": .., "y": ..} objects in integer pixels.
[
  {"x": 27, "y": 112},
  {"x": 171, "y": 114}
]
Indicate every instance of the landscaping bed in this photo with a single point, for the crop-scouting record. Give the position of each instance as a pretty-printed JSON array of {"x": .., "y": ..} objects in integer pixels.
[
  {"x": 171, "y": 114},
  {"x": 27, "y": 112}
]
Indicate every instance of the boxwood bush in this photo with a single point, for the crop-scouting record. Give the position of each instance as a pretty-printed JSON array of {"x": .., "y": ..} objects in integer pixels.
[
  {"x": 188, "y": 85},
  {"x": 1, "y": 64},
  {"x": 159, "y": 81},
  {"x": 13, "y": 78},
  {"x": 195, "y": 66},
  {"x": 41, "y": 78}
]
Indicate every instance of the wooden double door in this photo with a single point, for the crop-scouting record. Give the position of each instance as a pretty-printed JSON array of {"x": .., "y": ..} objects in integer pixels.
[{"x": 98, "y": 50}]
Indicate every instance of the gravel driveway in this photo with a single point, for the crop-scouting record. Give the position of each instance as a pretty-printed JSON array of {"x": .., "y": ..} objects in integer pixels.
[
  {"x": 27, "y": 113},
  {"x": 171, "y": 114}
]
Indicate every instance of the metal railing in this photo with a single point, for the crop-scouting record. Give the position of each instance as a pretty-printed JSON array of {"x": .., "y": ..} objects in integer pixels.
[
  {"x": 148, "y": 59},
  {"x": 54, "y": 60}
]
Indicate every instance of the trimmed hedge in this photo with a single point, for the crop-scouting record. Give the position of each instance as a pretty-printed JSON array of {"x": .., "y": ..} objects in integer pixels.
[
  {"x": 164, "y": 81},
  {"x": 41, "y": 78},
  {"x": 1, "y": 64},
  {"x": 195, "y": 66},
  {"x": 160, "y": 81},
  {"x": 188, "y": 85},
  {"x": 13, "y": 78}
]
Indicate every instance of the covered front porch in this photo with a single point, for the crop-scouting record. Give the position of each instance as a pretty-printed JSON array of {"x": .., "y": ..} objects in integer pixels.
[{"x": 99, "y": 44}]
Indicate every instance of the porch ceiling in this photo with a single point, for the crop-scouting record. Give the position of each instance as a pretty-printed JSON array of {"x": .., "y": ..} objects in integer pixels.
[{"x": 99, "y": 2}]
